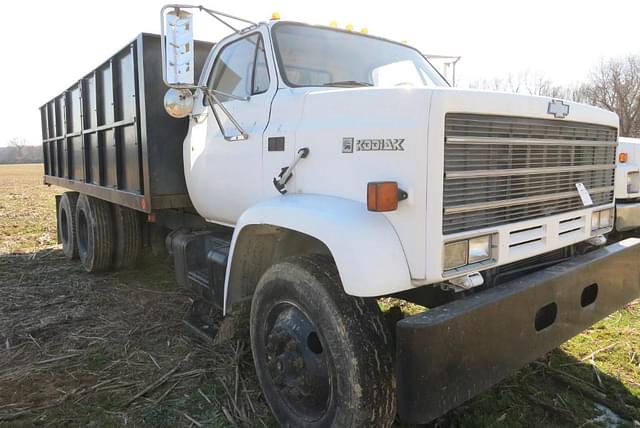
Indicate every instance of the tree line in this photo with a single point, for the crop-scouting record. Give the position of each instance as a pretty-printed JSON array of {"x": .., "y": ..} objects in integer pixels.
[
  {"x": 19, "y": 152},
  {"x": 613, "y": 84}
]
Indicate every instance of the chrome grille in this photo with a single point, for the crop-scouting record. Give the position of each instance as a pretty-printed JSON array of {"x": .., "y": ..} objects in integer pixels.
[{"x": 502, "y": 170}]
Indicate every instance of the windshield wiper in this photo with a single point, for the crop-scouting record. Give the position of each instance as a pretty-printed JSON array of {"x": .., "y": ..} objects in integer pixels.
[{"x": 347, "y": 83}]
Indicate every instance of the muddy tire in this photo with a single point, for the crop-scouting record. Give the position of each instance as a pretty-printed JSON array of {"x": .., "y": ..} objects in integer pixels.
[
  {"x": 323, "y": 358},
  {"x": 95, "y": 233},
  {"x": 67, "y": 224},
  {"x": 128, "y": 237}
]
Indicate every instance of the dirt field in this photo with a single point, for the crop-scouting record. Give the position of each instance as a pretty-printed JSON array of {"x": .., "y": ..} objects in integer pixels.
[{"x": 110, "y": 350}]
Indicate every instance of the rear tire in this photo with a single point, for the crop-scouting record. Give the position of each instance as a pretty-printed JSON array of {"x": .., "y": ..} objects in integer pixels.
[
  {"x": 128, "y": 237},
  {"x": 323, "y": 357},
  {"x": 95, "y": 233},
  {"x": 67, "y": 224}
]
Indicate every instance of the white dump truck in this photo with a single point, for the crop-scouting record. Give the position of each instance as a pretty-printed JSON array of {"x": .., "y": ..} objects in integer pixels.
[
  {"x": 627, "y": 181},
  {"x": 309, "y": 170}
]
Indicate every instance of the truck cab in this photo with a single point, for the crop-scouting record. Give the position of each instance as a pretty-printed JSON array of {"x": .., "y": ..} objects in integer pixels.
[{"x": 628, "y": 184}]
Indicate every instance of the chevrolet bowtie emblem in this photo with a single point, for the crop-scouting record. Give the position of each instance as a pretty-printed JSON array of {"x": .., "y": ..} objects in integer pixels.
[{"x": 558, "y": 109}]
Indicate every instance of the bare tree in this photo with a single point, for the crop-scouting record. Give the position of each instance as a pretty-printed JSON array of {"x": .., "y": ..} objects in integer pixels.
[
  {"x": 524, "y": 82},
  {"x": 615, "y": 85},
  {"x": 18, "y": 144}
]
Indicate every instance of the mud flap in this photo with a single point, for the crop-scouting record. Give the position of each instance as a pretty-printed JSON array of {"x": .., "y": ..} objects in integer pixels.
[{"x": 448, "y": 355}]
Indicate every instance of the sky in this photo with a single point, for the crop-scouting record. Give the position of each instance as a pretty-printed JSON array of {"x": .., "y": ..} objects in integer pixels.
[{"x": 49, "y": 45}]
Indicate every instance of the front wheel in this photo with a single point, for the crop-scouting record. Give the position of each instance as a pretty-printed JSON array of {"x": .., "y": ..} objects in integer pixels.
[{"x": 323, "y": 358}]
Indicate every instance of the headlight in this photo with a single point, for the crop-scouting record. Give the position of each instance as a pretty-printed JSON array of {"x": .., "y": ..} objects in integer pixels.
[
  {"x": 467, "y": 251},
  {"x": 605, "y": 218},
  {"x": 455, "y": 254},
  {"x": 601, "y": 219},
  {"x": 595, "y": 221},
  {"x": 479, "y": 249}
]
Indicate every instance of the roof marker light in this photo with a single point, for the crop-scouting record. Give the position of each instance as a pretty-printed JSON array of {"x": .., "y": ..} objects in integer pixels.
[
  {"x": 333, "y": 24},
  {"x": 349, "y": 27},
  {"x": 364, "y": 30},
  {"x": 275, "y": 16}
]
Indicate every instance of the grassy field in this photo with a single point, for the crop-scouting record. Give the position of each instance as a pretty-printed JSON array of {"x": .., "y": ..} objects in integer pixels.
[{"x": 80, "y": 349}]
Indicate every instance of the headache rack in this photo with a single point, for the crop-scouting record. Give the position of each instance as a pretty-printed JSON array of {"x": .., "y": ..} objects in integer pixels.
[{"x": 500, "y": 169}]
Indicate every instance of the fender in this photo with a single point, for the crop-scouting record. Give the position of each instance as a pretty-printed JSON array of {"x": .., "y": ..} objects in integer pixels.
[{"x": 364, "y": 244}]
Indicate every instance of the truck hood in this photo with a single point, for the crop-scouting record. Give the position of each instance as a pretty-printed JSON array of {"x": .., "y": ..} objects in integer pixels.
[
  {"x": 507, "y": 104},
  {"x": 362, "y": 135},
  {"x": 487, "y": 102}
]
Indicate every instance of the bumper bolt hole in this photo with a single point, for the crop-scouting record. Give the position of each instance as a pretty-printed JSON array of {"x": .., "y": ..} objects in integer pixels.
[
  {"x": 546, "y": 316},
  {"x": 589, "y": 295}
]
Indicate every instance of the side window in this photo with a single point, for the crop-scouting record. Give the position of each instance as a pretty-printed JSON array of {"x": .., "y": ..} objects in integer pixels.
[{"x": 240, "y": 68}]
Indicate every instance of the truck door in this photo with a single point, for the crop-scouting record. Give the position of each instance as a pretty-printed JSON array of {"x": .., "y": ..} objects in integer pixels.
[{"x": 224, "y": 175}]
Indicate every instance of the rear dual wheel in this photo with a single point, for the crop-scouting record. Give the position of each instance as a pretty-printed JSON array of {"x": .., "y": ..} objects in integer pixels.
[
  {"x": 107, "y": 235},
  {"x": 128, "y": 237},
  {"x": 94, "y": 223},
  {"x": 67, "y": 224}
]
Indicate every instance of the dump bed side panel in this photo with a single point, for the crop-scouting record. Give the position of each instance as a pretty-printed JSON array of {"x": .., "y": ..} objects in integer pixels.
[
  {"x": 163, "y": 136},
  {"x": 109, "y": 136}
]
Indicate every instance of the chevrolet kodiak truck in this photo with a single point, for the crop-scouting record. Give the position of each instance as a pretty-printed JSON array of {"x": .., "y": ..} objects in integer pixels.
[{"x": 313, "y": 170}]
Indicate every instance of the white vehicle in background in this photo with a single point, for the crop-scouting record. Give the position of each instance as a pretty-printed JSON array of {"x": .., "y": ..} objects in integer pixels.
[
  {"x": 309, "y": 170},
  {"x": 627, "y": 183}
]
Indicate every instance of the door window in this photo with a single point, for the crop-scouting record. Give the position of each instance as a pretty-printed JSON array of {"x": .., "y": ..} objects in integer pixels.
[{"x": 241, "y": 68}]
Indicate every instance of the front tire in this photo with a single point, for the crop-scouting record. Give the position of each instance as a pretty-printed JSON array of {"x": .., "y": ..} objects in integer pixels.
[{"x": 323, "y": 357}]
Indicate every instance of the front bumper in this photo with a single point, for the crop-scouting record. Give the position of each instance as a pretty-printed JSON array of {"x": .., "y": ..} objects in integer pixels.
[
  {"x": 627, "y": 216},
  {"x": 448, "y": 355}
]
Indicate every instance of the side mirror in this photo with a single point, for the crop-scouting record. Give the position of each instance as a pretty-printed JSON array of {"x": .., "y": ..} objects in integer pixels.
[
  {"x": 178, "y": 61},
  {"x": 178, "y": 103}
]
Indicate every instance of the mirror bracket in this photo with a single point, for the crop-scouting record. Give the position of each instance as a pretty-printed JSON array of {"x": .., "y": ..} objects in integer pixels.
[
  {"x": 187, "y": 26},
  {"x": 181, "y": 47}
]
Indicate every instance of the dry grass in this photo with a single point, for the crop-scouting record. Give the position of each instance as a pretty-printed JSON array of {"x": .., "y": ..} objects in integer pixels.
[
  {"x": 106, "y": 350},
  {"x": 110, "y": 350}
]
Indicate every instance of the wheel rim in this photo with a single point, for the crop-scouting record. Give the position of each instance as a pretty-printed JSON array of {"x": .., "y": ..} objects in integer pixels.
[
  {"x": 82, "y": 232},
  {"x": 64, "y": 227},
  {"x": 297, "y": 361}
]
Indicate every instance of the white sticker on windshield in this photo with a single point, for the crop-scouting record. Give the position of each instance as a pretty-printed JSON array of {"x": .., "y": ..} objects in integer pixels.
[{"x": 584, "y": 194}]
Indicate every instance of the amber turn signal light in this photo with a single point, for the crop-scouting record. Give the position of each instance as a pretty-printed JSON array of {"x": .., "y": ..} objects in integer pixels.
[
  {"x": 384, "y": 196},
  {"x": 622, "y": 157}
]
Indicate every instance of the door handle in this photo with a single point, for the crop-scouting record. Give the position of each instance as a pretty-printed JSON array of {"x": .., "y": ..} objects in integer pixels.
[{"x": 280, "y": 182}]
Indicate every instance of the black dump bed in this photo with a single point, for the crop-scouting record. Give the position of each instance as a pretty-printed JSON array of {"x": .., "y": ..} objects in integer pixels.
[{"x": 109, "y": 136}]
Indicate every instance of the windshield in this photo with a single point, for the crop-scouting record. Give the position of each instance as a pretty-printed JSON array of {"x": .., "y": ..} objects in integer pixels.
[{"x": 316, "y": 56}]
